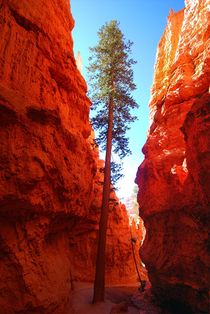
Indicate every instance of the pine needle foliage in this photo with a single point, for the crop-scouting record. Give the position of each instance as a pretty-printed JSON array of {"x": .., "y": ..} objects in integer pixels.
[{"x": 111, "y": 76}]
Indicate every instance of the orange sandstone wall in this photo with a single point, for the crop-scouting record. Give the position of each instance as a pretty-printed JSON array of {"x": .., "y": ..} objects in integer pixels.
[
  {"x": 44, "y": 126},
  {"x": 174, "y": 178},
  {"x": 48, "y": 168}
]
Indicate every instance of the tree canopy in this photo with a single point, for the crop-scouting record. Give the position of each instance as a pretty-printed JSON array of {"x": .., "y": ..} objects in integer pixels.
[{"x": 111, "y": 76}]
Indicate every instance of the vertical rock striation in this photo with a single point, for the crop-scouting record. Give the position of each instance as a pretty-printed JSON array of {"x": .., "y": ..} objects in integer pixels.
[
  {"x": 174, "y": 178},
  {"x": 44, "y": 128},
  {"x": 49, "y": 203}
]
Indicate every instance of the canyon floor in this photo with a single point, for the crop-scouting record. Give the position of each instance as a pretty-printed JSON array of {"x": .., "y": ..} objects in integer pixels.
[{"x": 117, "y": 298}]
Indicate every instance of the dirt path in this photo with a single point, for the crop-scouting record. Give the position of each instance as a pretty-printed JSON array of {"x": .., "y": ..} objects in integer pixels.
[{"x": 125, "y": 296}]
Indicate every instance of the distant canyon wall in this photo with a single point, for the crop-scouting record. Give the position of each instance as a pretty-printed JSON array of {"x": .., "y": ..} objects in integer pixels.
[
  {"x": 121, "y": 233},
  {"x": 174, "y": 178},
  {"x": 49, "y": 204}
]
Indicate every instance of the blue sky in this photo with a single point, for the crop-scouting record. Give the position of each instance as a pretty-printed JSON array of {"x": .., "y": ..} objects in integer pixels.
[{"x": 143, "y": 22}]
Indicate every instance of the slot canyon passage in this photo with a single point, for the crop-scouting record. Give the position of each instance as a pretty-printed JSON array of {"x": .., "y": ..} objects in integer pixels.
[{"x": 50, "y": 191}]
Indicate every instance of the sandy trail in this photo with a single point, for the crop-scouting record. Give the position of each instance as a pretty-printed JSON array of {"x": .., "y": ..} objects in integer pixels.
[{"x": 138, "y": 302}]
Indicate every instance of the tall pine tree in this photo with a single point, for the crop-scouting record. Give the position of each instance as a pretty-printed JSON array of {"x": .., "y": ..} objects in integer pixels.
[{"x": 111, "y": 84}]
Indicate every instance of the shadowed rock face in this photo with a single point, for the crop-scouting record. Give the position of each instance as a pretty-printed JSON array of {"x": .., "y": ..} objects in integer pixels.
[
  {"x": 48, "y": 166},
  {"x": 120, "y": 265},
  {"x": 174, "y": 178}
]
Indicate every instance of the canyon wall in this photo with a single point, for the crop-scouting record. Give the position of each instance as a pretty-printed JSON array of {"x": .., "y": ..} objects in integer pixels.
[
  {"x": 44, "y": 128},
  {"x": 49, "y": 170},
  {"x": 174, "y": 178}
]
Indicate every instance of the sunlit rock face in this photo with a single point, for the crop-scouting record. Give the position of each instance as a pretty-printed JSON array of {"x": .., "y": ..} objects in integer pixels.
[
  {"x": 43, "y": 143},
  {"x": 49, "y": 184},
  {"x": 174, "y": 178}
]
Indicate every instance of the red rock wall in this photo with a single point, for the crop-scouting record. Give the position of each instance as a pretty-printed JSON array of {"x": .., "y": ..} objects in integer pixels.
[
  {"x": 174, "y": 178},
  {"x": 48, "y": 177},
  {"x": 44, "y": 126}
]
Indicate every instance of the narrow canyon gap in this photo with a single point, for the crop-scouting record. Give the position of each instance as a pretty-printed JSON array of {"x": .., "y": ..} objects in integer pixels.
[
  {"x": 50, "y": 189},
  {"x": 51, "y": 180},
  {"x": 174, "y": 178}
]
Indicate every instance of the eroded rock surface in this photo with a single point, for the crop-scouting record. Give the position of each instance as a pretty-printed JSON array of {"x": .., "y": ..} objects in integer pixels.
[
  {"x": 174, "y": 179},
  {"x": 44, "y": 127},
  {"x": 48, "y": 166}
]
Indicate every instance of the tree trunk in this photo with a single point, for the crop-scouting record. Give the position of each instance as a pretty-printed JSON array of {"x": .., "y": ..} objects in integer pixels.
[{"x": 99, "y": 283}]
